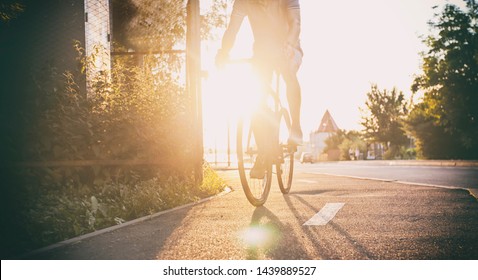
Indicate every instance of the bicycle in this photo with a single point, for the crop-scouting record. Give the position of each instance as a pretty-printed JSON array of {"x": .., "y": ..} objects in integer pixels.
[{"x": 280, "y": 152}]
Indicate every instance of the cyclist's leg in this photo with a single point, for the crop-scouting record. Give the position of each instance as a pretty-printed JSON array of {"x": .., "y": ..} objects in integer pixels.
[{"x": 294, "y": 99}]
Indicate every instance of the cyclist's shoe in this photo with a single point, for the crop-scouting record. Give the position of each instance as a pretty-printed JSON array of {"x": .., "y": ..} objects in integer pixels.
[
  {"x": 295, "y": 138},
  {"x": 258, "y": 171}
]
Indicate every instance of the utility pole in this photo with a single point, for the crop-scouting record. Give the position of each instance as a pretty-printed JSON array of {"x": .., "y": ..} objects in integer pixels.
[{"x": 193, "y": 82}]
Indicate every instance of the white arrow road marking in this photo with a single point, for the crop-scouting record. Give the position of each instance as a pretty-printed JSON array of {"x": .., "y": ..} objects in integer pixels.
[{"x": 325, "y": 215}]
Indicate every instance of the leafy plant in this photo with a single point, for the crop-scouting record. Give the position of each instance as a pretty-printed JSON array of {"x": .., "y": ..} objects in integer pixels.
[
  {"x": 445, "y": 122},
  {"x": 383, "y": 117}
]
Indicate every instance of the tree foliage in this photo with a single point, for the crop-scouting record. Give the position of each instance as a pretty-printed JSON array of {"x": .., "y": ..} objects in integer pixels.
[
  {"x": 445, "y": 122},
  {"x": 152, "y": 25},
  {"x": 383, "y": 117},
  {"x": 346, "y": 142},
  {"x": 148, "y": 24}
]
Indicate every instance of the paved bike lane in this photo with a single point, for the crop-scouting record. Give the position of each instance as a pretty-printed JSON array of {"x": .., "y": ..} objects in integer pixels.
[{"x": 324, "y": 217}]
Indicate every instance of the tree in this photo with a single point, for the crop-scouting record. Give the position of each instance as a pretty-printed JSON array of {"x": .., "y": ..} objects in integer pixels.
[
  {"x": 148, "y": 25},
  {"x": 154, "y": 25},
  {"x": 383, "y": 118},
  {"x": 352, "y": 144},
  {"x": 345, "y": 142},
  {"x": 445, "y": 122}
]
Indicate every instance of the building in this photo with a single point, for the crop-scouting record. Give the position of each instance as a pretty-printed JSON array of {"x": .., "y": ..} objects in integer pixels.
[{"x": 327, "y": 127}]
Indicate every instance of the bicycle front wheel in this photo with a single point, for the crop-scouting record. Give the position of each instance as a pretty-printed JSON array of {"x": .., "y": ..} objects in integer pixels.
[
  {"x": 285, "y": 163},
  {"x": 255, "y": 189}
]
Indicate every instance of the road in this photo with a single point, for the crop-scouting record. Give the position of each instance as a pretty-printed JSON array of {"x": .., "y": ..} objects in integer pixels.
[
  {"x": 324, "y": 217},
  {"x": 434, "y": 174}
]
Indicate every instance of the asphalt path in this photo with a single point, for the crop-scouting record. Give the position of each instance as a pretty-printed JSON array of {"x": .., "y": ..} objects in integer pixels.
[
  {"x": 324, "y": 217},
  {"x": 435, "y": 173}
]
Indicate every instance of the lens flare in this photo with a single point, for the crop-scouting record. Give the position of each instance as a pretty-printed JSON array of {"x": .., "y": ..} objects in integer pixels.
[{"x": 260, "y": 236}]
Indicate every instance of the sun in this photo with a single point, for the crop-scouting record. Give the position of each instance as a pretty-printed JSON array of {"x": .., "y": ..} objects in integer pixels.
[{"x": 227, "y": 93}]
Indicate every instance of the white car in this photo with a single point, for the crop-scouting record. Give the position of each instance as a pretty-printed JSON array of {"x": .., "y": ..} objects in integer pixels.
[{"x": 306, "y": 157}]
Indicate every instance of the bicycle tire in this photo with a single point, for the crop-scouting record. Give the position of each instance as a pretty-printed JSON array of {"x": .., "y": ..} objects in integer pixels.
[
  {"x": 285, "y": 164},
  {"x": 256, "y": 190}
]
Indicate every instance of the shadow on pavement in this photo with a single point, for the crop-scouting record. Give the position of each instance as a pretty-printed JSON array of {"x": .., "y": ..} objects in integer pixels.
[
  {"x": 268, "y": 237},
  {"x": 314, "y": 237}
]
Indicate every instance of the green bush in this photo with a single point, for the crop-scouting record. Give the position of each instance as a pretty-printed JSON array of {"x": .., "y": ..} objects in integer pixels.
[
  {"x": 135, "y": 113},
  {"x": 131, "y": 113}
]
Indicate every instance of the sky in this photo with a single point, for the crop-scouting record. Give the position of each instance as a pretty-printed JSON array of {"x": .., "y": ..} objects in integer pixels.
[{"x": 348, "y": 46}]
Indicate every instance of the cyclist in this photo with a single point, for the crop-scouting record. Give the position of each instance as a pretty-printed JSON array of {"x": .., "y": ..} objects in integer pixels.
[{"x": 276, "y": 28}]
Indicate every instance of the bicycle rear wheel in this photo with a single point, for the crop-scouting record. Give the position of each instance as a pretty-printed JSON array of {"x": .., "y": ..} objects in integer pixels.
[
  {"x": 285, "y": 163},
  {"x": 256, "y": 190}
]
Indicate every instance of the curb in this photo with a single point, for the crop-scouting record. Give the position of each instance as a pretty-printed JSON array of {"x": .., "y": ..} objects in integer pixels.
[
  {"x": 460, "y": 163},
  {"x": 451, "y": 163},
  {"x": 473, "y": 193}
]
